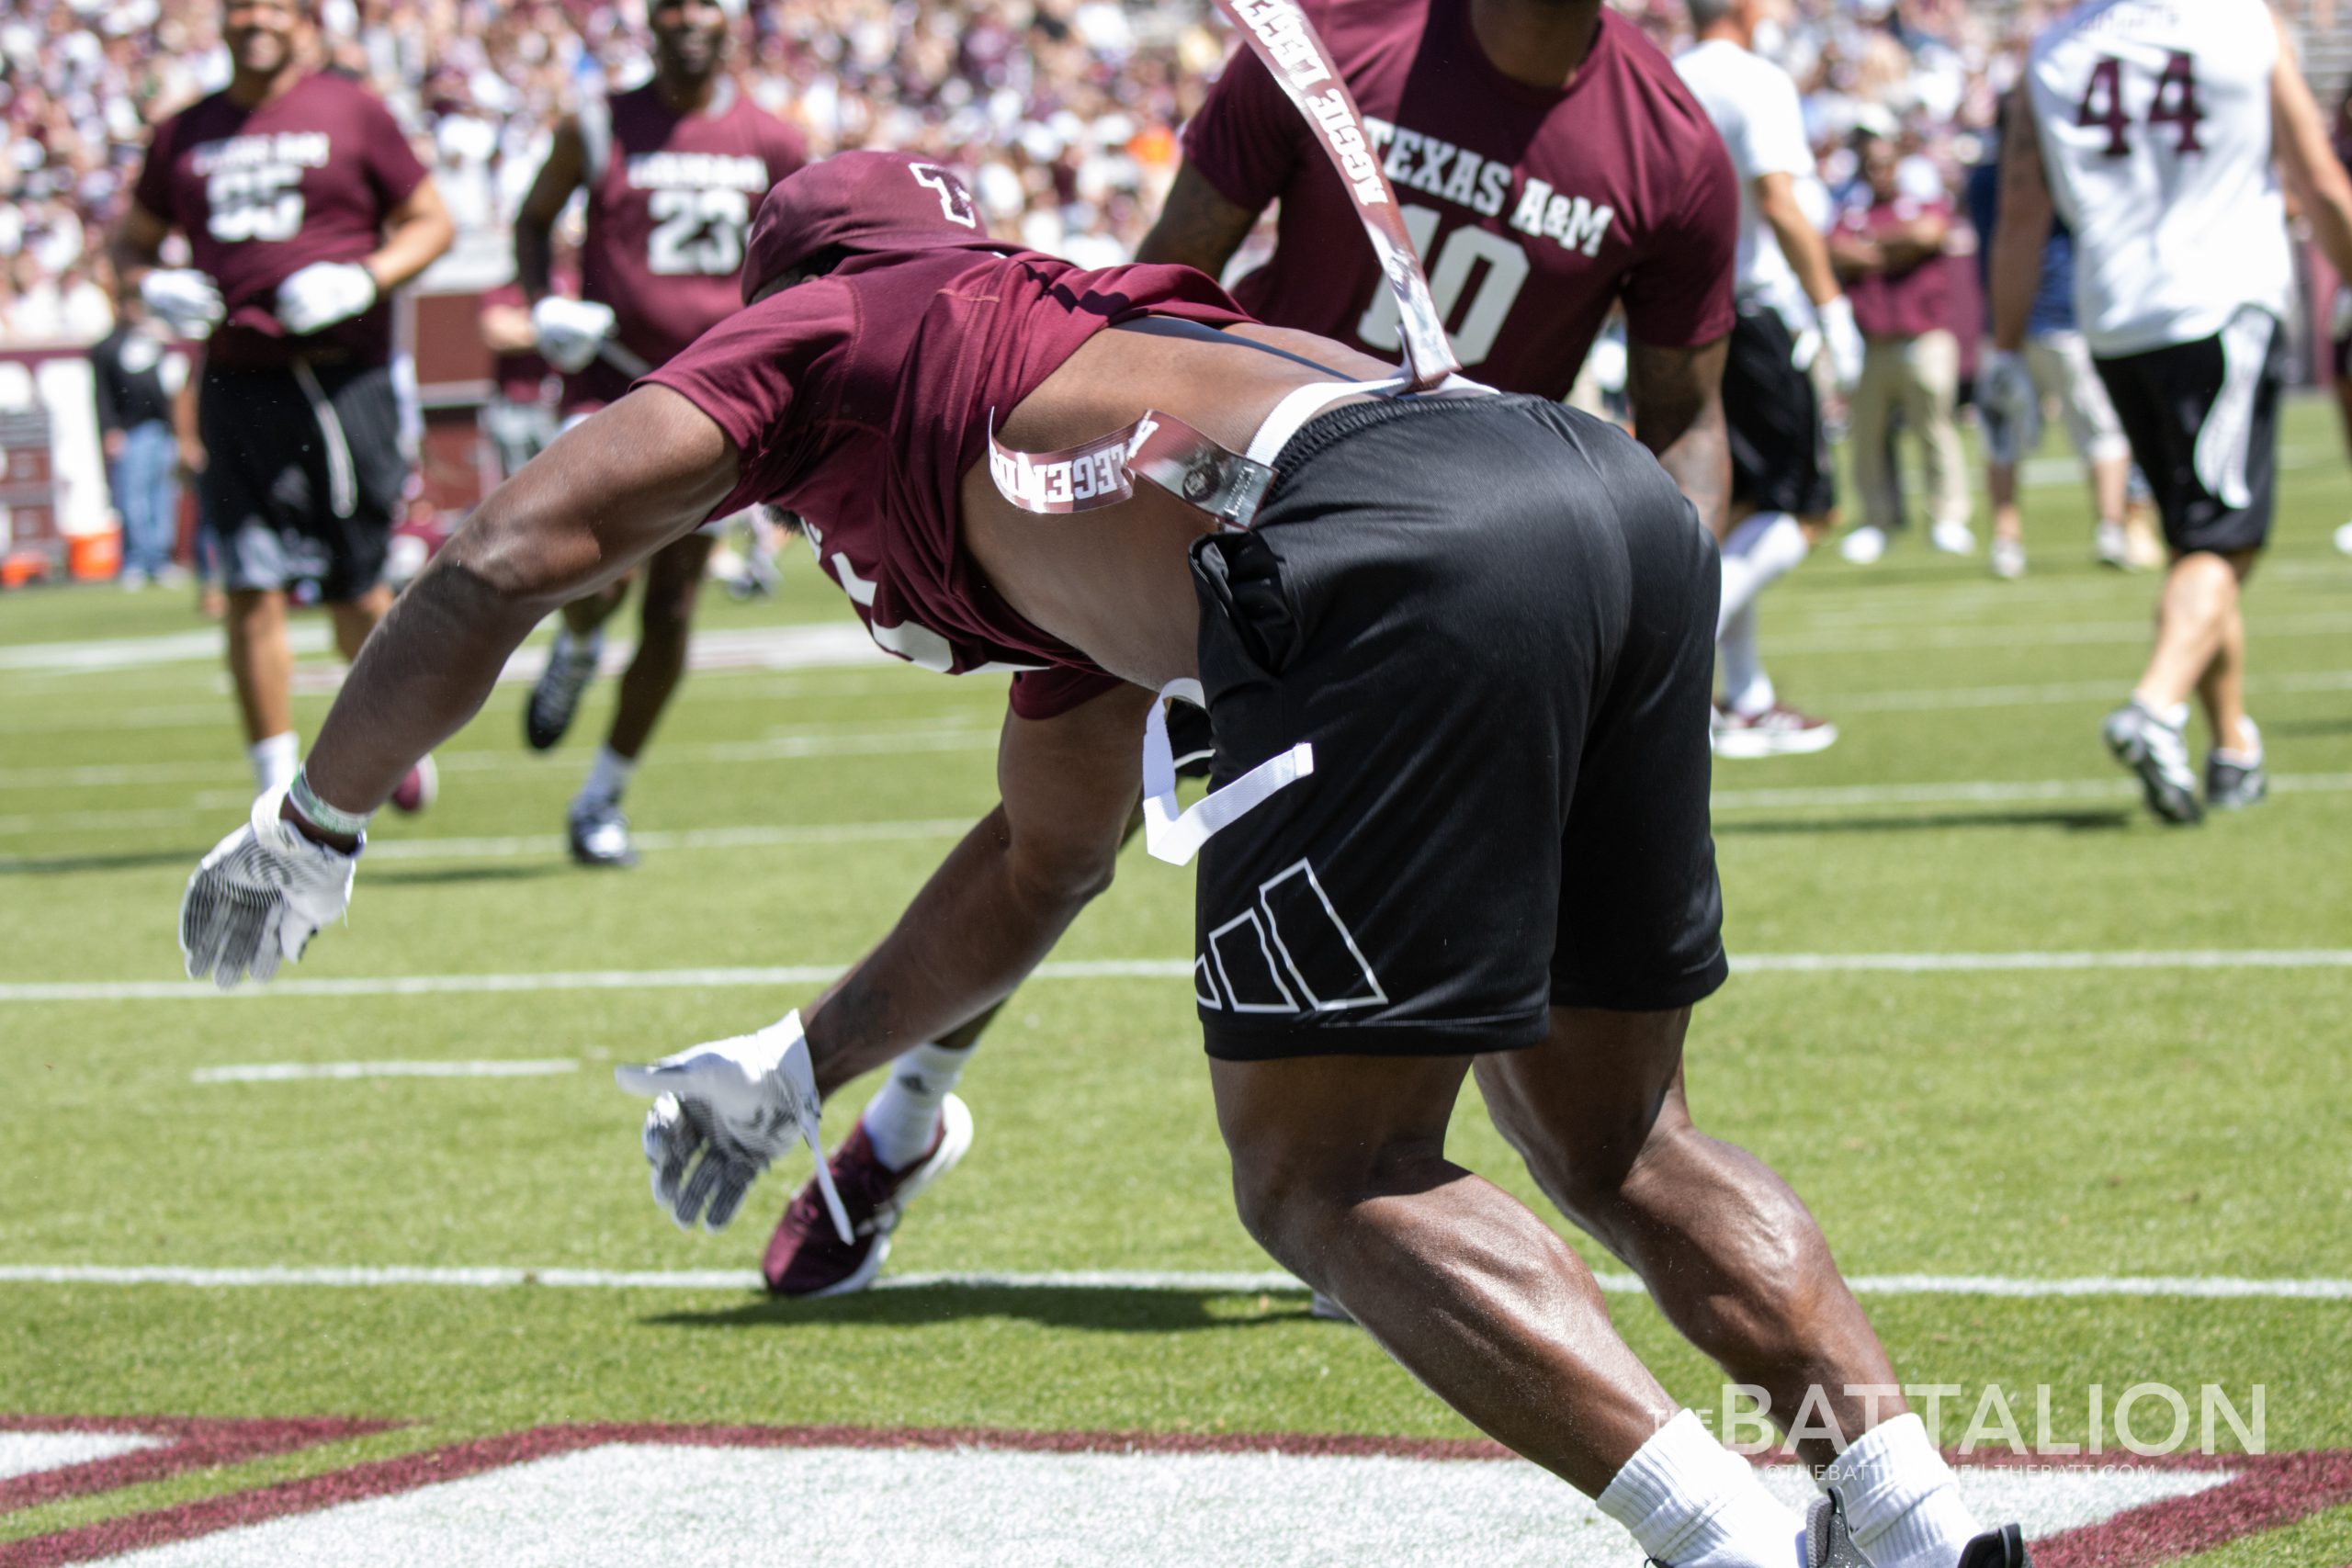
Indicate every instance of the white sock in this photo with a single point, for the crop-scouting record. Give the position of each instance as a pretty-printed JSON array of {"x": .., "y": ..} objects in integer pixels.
[
  {"x": 608, "y": 779},
  {"x": 274, "y": 760},
  {"x": 1902, "y": 1503},
  {"x": 2173, "y": 716},
  {"x": 1760, "y": 551},
  {"x": 1747, "y": 689},
  {"x": 1694, "y": 1504},
  {"x": 2249, "y": 758},
  {"x": 902, "y": 1119}
]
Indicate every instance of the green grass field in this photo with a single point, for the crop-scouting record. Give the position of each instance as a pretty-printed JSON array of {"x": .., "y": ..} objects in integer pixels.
[{"x": 2025, "y": 1122}]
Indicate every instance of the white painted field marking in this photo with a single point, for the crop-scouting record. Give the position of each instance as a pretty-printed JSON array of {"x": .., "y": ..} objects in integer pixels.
[
  {"x": 29, "y": 1453},
  {"x": 1928, "y": 698},
  {"x": 623, "y": 1504},
  {"x": 1966, "y": 792},
  {"x": 1191, "y": 1281},
  {"x": 1931, "y": 639},
  {"x": 293, "y": 1072}
]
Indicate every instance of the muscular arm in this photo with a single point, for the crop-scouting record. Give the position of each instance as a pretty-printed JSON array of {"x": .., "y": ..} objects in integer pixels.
[
  {"x": 1801, "y": 242},
  {"x": 1198, "y": 228},
  {"x": 416, "y": 233},
  {"x": 600, "y": 499},
  {"x": 566, "y": 166},
  {"x": 138, "y": 245},
  {"x": 2313, "y": 176},
  {"x": 2021, "y": 229},
  {"x": 1003, "y": 896},
  {"x": 1678, "y": 400}
]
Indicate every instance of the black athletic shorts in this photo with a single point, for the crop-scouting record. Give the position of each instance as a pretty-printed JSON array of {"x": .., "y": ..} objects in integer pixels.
[
  {"x": 2202, "y": 419},
  {"x": 302, "y": 477},
  {"x": 1493, "y": 620},
  {"x": 1779, "y": 457}
]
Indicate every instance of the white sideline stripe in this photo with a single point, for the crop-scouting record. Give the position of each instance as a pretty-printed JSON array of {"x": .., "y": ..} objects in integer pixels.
[
  {"x": 1927, "y": 638},
  {"x": 1118, "y": 969},
  {"x": 288, "y": 1071},
  {"x": 2188, "y": 1286},
  {"x": 1931, "y": 697},
  {"x": 1967, "y": 792}
]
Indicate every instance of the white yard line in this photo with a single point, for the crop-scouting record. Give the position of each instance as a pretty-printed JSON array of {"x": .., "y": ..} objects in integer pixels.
[
  {"x": 290, "y": 1072},
  {"x": 1972, "y": 792},
  {"x": 2157, "y": 1287},
  {"x": 2107, "y": 692},
  {"x": 762, "y": 976}
]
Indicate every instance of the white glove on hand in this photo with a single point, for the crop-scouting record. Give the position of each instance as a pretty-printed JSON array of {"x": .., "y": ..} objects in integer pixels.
[
  {"x": 570, "y": 331},
  {"x": 322, "y": 294},
  {"x": 1844, "y": 341},
  {"x": 259, "y": 897},
  {"x": 186, "y": 299},
  {"x": 738, "y": 1103},
  {"x": 2011, "y": 407}
]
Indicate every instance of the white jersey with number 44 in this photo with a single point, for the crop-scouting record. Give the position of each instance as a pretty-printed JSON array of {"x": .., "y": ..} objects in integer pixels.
[{"x": 2155, "y": 122}]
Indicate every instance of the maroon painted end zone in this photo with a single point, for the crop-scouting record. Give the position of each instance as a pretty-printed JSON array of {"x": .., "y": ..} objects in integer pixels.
[
  {"x": 2265, "y": 1490},
  {"x": 195, "y": 1442}
]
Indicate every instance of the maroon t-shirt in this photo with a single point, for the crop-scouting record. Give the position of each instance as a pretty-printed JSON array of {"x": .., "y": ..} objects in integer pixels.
[
  {"x": 1532, "y": 208},
  {"x": 668, "y": 201},
  {"x": 1898, "y": 304},
  {"x": 262, "y": 193},
  {"x": 859, "y": 400}
]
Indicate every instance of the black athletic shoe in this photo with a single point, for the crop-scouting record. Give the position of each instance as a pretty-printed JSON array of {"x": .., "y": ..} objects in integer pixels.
[
  {"x": 2230, "y": 785},
  {"x": 554, "y": 696},
  {"x": 1828, "y": 1544},
  {"x": 600, "y": 837},
  {"x": 2003, "y": 1548}
]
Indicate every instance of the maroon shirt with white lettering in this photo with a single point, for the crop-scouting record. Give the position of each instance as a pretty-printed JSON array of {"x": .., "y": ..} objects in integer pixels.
[
  {"x": 859, "y": 400},
  {"x": 670, "y": 196},
  {"x": 263, "y": 193},
  {"x": 1533, "y": 209}
]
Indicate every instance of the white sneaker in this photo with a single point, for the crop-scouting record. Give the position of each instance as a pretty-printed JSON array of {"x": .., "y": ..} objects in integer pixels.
[
  {"x": 2344, "y": 538},
  {"x": 2009, "y": 559},
  {"x": 2111, "y": 545},
  {"x": 1863, "y": 546},
  {"x": 2155, "y": 750},
  {"x": 1953, "y": 538}
]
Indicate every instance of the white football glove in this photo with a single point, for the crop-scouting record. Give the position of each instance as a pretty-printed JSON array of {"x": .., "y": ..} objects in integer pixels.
[
  {"x": 259, "y": 897},
  {"x": 187, "y": 301},
  {"x": 738, "y": 1103},
  {"x": 2010, "y": 405},
  {"x": 570, "y": 332},
  {"x": 322, "y": 294},
  {"x": 1843, "y": 339}
]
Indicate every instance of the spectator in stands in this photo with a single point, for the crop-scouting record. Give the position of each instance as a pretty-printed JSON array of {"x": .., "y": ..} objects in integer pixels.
[
  {"x": 127, "y": 370},
  {"x": 1888, "y": 248}
]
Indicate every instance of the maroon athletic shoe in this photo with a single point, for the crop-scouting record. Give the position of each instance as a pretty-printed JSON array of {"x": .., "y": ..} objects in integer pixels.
[
  {"x": 1779, "y": 731},
  {"x": 805, "y": 1257},
  {"x": 417, "y": 787}
]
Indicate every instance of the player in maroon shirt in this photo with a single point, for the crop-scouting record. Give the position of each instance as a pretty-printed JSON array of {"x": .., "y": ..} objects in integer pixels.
[
  {"x": 1550, "y": 165},
  {"x": 303, "y": 209},
  {"x": 1524, "y": 880},
  {"x": 673, "y": 170}
]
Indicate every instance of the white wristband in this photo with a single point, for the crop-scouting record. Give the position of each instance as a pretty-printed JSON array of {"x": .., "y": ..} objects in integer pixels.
[{"x": 318, "y": 814}]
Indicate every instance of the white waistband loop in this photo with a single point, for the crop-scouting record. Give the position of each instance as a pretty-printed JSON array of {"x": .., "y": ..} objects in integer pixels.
[
  {"x": 1301, "y": 404},
  {"x": 1177, "y": 836}
]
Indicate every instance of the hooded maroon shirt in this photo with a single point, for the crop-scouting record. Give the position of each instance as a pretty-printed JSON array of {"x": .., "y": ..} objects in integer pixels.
[
  {"x": 1533, "y": 209},
  {"x": 858, "y": 400},
  {"x": 264, "y": 192}
]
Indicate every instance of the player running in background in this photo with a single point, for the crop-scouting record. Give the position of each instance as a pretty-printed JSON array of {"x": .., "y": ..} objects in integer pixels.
[
  {"x": 1790, "y": 308},
  {"x": 673, "y": 170},
  {"x": 2058, "y": 362},
  {"x": 303, "y": 209},
  {"x": 1549, "y": 913},
  {"x": 2158, "y": 133}
]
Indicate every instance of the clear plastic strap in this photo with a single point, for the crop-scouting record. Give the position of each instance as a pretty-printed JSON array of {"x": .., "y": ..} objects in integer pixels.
[{"x": 1176, "y": 837}]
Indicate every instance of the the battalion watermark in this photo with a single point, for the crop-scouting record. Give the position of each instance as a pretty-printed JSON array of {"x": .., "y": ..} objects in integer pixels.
[{"x": 2146, "y": 1420}]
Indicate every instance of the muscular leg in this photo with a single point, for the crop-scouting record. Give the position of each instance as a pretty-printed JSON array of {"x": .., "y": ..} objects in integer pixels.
[
  {"x": 1340, "y": 1172},
  {"x": 1731, "y": 1255},
  {"x": 2221, "y": 688},
  {"x": 261, "y": 662},
  {"x": 2195, "y": 617},
  {"x": 673, "y": 582},
  {"x": 355, "y": 618},
  {"x": 2111, "y": 487}
]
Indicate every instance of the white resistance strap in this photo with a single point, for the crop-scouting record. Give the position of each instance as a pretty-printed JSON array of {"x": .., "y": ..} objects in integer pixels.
[{"x": 1176, "y": 837}]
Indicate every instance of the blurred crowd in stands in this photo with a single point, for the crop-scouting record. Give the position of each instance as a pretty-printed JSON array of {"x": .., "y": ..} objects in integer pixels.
[{"x": 1064, "y": 111}]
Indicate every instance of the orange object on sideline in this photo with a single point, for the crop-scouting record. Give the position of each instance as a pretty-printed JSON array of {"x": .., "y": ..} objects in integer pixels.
[
  {"x": 93, "y": 557},
  {"x": 22, "y": 568}
]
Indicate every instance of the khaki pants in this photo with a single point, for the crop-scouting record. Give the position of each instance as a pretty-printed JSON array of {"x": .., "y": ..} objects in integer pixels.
[{"x": 1921, "y": 377}]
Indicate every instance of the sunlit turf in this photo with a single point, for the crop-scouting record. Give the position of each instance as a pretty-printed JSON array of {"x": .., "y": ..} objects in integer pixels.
[{"x": 2177, "y": 1122}]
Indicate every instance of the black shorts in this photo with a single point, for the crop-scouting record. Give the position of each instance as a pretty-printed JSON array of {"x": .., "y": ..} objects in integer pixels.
[
  {"x": 1779, "y": 458},
  {"x": 1493, "y": 620},
  {"x": 2202, "y": 419},
  {"x": 303, "y": 475}
]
